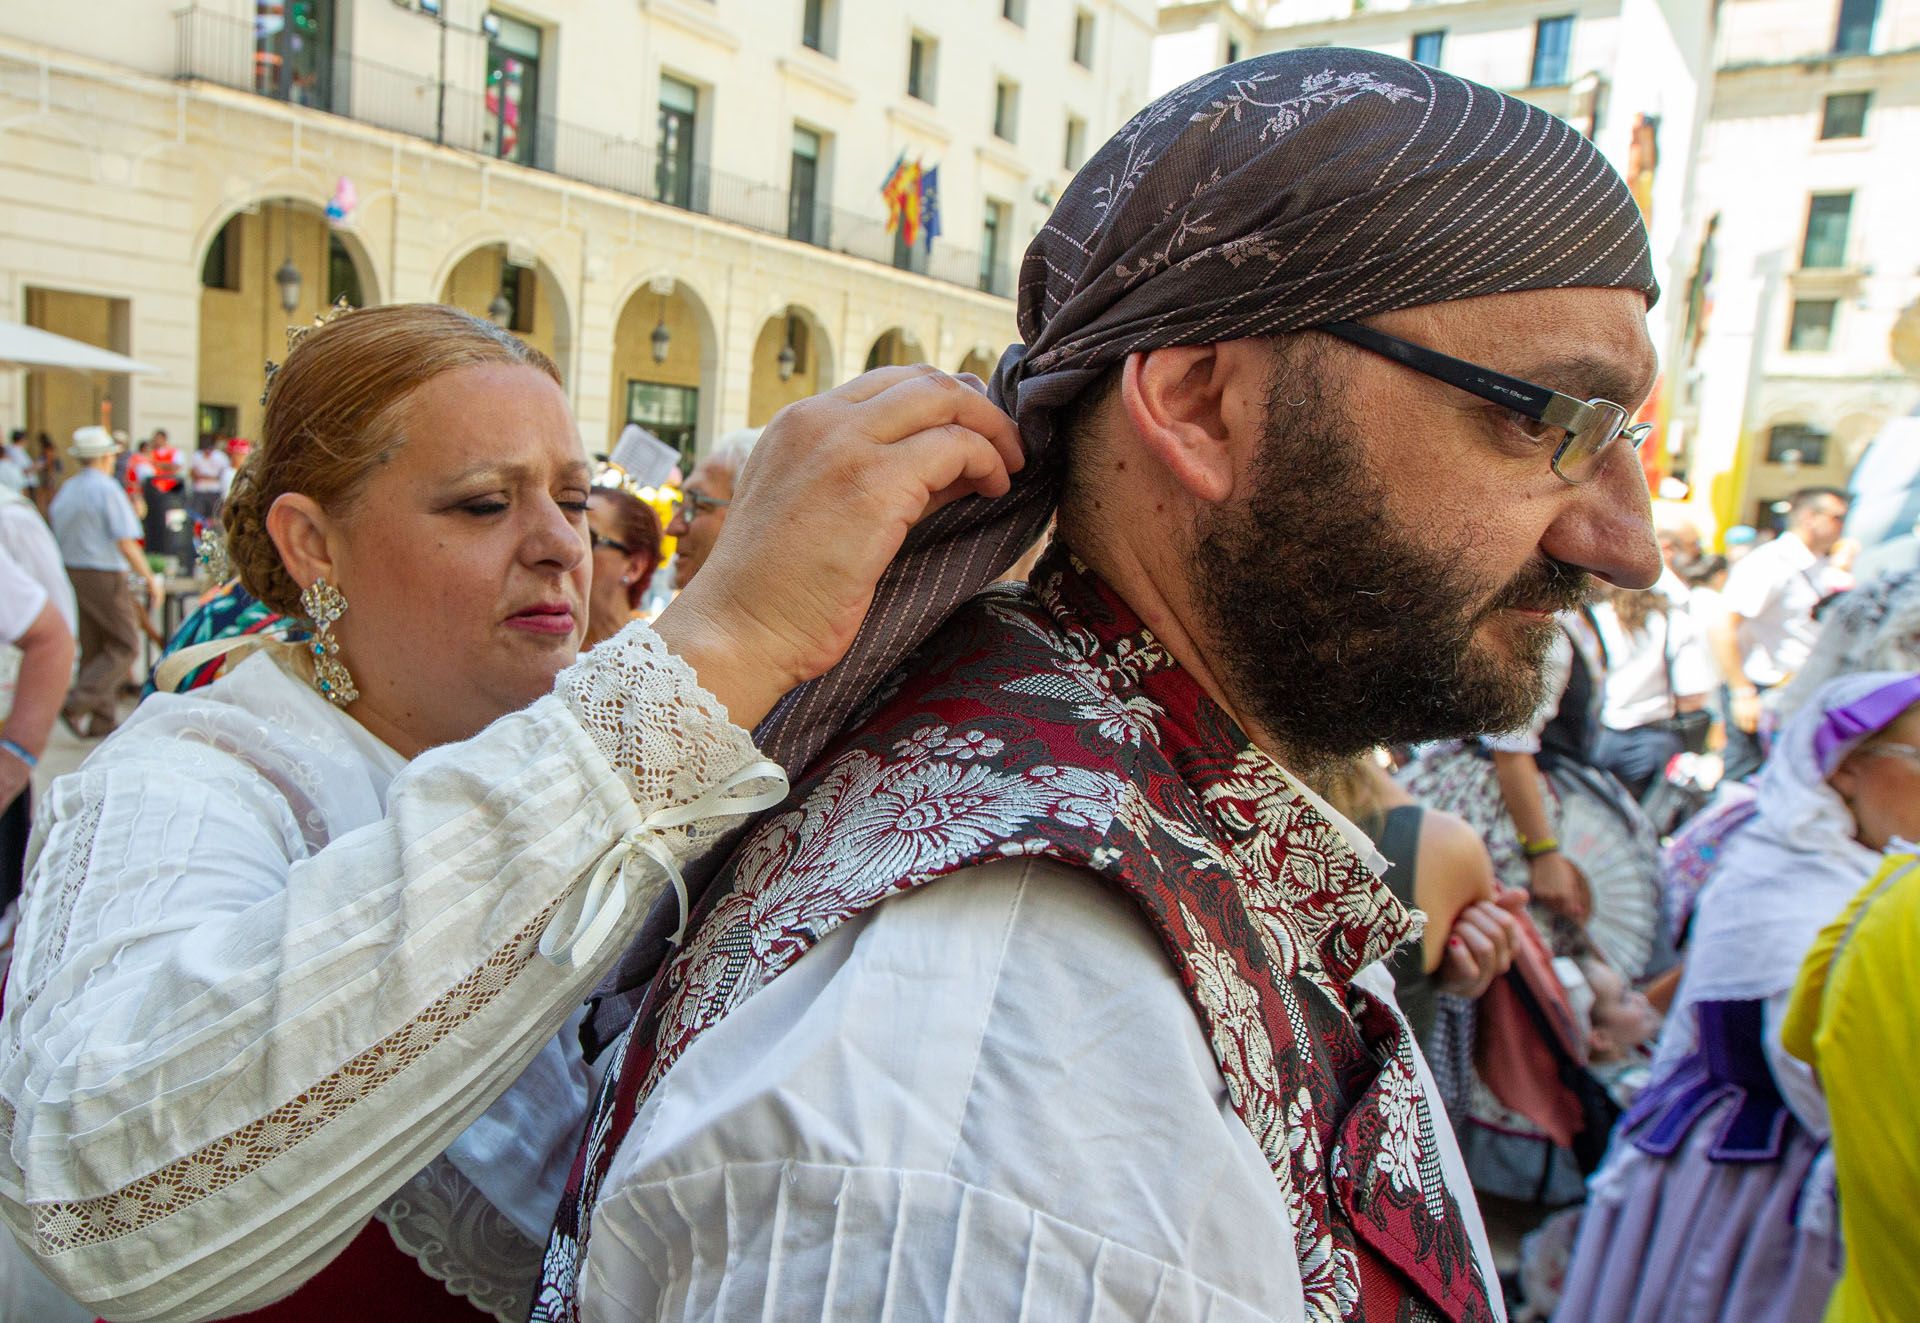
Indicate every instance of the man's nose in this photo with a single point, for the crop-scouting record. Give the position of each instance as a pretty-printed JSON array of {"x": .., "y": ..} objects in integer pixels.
[{"x": 1606, "y": 526}]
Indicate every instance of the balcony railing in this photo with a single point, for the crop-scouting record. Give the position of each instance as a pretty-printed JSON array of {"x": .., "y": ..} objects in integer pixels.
[{"x": 219, "y": 49}]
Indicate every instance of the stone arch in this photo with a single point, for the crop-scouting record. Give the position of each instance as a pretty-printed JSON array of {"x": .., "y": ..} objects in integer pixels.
[
  {"x": 980, "y": 361},
  {"x": 895, "y": 346},
  {"x": 243, "y": 320},
  {"x": 535, "y": 301},
  {"x": 677, "y": 396},
  {"x": 811, "y": 369}
]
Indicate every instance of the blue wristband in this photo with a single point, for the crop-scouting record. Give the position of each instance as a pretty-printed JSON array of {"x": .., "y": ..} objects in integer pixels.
[{"x": 19, "y": 752}]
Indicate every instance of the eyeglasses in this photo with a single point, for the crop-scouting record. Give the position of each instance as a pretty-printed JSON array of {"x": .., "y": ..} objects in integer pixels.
[
  {"x": 693, "y": 503},
  {"x": 1905, "y": 752},
  {"x": 598, "y": 541},
  {"x": 1591, "y": 427}
]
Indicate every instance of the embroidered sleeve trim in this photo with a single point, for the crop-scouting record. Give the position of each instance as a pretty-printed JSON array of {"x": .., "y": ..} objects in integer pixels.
[{"x": 76, "y": 1224}]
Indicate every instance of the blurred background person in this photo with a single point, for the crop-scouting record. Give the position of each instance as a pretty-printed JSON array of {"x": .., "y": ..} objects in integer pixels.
[
  {"x": 1769, "y": 630},
  {"x": 1855, "y": 1019},
  {"x": 704, "y": 498},
  {"x": 1659, "y": 680},
  {"x": 28, "y": 546},
  {"x": 209, "y": 472},
  {"x": 625, "y": 534},
  {"x": 36, "y": 661},
  {"x": 1713, "y": 1203},
  {"x": 99, "y": 537}
]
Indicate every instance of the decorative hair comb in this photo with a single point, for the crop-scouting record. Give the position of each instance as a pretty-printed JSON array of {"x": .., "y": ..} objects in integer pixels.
[{"x": 295, "y": 334}]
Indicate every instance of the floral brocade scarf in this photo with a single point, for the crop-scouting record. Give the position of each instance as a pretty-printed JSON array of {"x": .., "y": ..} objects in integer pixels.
[{"x": 1049, "y": 721}]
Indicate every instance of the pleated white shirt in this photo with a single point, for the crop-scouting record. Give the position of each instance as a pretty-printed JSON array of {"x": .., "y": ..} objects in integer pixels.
[
  {"x": 987, "y": 1099},
  {"x": 270, "y": 980}
]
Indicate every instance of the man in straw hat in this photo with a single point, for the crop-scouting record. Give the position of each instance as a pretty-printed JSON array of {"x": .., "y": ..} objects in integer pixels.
[
  {"x": 99, "y": 537},
  {"x": 1328, "y": 365}
]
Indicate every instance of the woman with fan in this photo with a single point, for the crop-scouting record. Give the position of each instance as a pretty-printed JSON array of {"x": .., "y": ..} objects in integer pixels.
[
  {"x": 1576, "y": 841},
  {"x": 1716, "y": 1201}
]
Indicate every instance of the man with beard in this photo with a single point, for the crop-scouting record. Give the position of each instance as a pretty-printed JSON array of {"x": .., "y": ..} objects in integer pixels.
[{"x": 1328, "y": 364}]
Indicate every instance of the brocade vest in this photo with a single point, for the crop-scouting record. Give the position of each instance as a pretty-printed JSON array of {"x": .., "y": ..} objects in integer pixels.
[{"x": 1049, "y": 721}]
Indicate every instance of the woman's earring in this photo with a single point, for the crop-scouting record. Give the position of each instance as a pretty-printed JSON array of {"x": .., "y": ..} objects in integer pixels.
[{"x": 324, "y": 604}]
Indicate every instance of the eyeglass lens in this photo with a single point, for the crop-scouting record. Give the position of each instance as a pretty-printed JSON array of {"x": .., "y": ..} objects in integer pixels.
[{"x": 1580, "y": 454}]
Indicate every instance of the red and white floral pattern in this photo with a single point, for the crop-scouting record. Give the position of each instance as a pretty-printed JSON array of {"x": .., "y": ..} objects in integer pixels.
[{"x": 1053, "y": 723}]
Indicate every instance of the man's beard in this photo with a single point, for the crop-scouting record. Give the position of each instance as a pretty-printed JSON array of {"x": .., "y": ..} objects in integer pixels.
[{"x": 1336, "y": 630}]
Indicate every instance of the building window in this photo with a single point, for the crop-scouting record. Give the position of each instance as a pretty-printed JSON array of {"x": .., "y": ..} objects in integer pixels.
[
  {"x": 669, "y": 412},
  {"x": 1014, "y": 11},
  {"x": 806, "y": 218},
  {"x": 1076, "y": 151},
  {"x": 1426, "y": 48},
  {"x": 219, "y": 422},
  {"x": 673, "y": 173},
  {"x": 1083, "y": 38},
  {"x": 1812, "y": 329},
  {"x": 923, "y": 54},
  {"x": 343, "y": 277},
  {"x": 1233, "y": 50},
  {"x": 819, "y": 25},
  {"x": 221, "y": 270},
  {"x": 1006, "y": 109},
  {"x": 1845, "y": 115},
  {"x": 511, "y": 127},
  {"x": 519, "y": 286},
  {"x": 993, "y": 247},
  {"x": 1828, "y": 217},
  {"x": 293, "y": 51},
  {"x": 1796, "y": 443},
  {"x": 1552, "y": 44},
  {"x": 1854, "y": 33}
]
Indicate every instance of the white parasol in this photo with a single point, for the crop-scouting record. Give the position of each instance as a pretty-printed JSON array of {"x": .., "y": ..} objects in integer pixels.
[{"x": 31, "y": 348}]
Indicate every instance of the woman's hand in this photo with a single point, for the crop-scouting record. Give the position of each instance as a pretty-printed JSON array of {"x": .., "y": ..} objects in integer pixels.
[
  {"x": 1557, "y": 884},
  {"x": 822, "y": 506},
  {"x": 1480, "y": 947}
]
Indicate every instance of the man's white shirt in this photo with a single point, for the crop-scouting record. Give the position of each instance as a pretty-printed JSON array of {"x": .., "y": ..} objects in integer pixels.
[
  {"x": 986, "y": 1099},
  {"x": 1772, "y": 591}
]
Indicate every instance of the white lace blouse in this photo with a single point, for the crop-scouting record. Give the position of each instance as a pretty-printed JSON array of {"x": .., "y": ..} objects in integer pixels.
[{"x": 270, "y": 979}]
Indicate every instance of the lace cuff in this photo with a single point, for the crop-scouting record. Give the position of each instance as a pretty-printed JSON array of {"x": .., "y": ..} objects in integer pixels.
[
  {"x": 669, "y": 739},
  {"x": 692, "y": 773}
]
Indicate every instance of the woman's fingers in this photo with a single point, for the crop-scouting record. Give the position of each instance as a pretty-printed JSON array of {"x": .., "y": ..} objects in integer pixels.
[
  {"x": 952, "y": 461},
  {"x": 914, "y": 403}
]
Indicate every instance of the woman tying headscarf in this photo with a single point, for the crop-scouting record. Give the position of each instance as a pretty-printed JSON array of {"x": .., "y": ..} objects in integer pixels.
[
  {"x": 304, "y": 946},
  {"x": 1716, "y": 1201}
]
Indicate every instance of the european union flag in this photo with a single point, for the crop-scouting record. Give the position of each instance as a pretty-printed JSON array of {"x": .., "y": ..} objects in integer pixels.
[{"x": 930, "y": 204}]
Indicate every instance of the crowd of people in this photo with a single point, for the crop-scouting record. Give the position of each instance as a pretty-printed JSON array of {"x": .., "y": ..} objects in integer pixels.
[{"x": 972, "y": 895}]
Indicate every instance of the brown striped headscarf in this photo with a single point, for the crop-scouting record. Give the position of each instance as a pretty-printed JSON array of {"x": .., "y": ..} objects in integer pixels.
[
  {"x": 1275, "y": 194},
  {"x": 1271, "y": 195}
]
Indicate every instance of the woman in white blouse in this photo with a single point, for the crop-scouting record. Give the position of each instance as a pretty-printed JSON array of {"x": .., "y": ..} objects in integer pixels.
[{"x": 305, "y": 945}]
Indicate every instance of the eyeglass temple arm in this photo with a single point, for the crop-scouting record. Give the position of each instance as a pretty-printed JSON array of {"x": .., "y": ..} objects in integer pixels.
[{"x": 1549, "y": 406}]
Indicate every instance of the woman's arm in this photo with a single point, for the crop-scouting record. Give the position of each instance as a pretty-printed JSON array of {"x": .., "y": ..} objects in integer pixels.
[
  {"x": 225, "y": 1043},
  {"x": 46, "y": 664},
  {"x": 1552, "y": 880}
]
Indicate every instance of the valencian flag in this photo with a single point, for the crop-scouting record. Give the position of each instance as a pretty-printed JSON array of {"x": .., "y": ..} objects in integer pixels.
[{"x": 913, "y": 201}]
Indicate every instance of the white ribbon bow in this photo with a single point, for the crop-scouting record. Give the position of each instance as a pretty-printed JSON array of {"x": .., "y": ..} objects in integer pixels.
[{"x": 585, "y": 919}]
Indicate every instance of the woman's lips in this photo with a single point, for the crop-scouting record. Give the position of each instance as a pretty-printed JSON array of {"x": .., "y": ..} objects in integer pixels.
[{"x": 553, "y": 620}]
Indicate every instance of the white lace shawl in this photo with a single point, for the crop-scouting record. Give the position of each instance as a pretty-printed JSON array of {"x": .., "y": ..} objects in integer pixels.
[{"x": 265, "y": 977}]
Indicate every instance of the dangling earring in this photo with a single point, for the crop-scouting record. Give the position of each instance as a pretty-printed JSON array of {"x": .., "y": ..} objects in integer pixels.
[{"x": 325, "y": 604}]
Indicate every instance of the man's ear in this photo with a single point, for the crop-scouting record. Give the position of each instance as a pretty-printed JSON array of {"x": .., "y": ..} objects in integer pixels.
[
  {"x": 1197, "y": 410},
  {"x": 303, "y": 535}
]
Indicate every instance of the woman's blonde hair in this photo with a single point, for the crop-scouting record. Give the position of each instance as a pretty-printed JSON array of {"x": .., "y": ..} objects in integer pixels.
[{"x": 333, "y": 416}]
